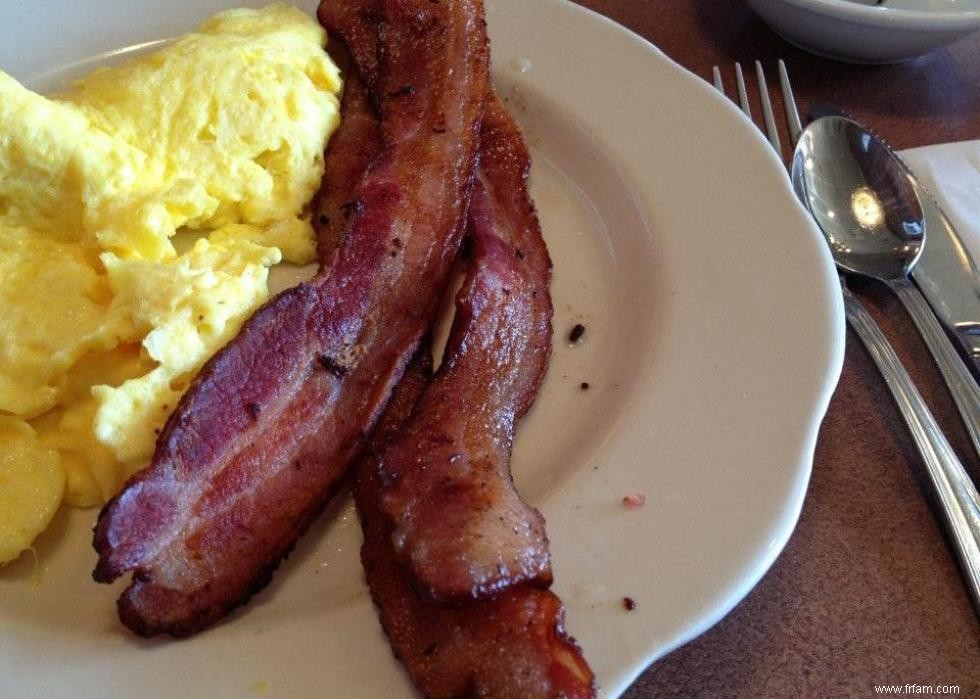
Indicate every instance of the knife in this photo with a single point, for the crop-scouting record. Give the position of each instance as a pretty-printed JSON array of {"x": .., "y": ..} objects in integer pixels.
[{"x": 945, "y": 271}]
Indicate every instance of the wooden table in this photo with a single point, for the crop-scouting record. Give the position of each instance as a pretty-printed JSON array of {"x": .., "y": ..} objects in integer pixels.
[{"x": 867, "y": 591}]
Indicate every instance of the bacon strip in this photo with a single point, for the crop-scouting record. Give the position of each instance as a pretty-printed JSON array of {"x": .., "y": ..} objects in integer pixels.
[
  {"x": 258, "y": 443},
  {"x": 459, "y": 524},
  {"x": 512, "y": 646},
  {"x": 353, "y": 147},
  {"x": 357, "y": 24}
]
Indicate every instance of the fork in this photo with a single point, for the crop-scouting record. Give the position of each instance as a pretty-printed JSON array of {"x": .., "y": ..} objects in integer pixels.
[{"x": 958, "y": 498}]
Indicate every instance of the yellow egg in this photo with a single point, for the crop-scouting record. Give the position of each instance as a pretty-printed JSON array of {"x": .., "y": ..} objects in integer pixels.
[
  {"x": 218, "y": 136},
  {"x": 293, "y": 238},
  {"x": 233, "y": 119}
]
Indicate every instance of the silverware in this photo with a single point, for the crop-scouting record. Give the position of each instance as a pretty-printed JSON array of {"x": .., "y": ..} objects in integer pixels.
[
  {"x": 946, "y": 272},
  {"x": 860, "y": 195},
  {"x": 958, "y": 498},
  {"x": 948, "y": 276}
]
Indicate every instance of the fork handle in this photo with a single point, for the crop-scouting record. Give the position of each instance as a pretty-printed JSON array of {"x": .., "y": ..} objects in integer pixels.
[
  {"x": 962, "y": 385},
  {"x": 958, "y": 497}
]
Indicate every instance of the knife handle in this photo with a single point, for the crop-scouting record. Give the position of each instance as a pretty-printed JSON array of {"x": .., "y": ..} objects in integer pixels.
[
  {"x": 958, "y": 497},
  {"x": 959, "y": 380},
  {"x": 947, "y": 276}
]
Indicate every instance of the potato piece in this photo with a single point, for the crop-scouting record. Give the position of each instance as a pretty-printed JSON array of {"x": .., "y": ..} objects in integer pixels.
[
  {"x": 32, "y": 482},
  {"x": 92, "y": 473}
]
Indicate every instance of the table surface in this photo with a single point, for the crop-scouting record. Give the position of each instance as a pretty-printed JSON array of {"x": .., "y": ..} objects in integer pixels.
[{"x": 867, "y": 591}]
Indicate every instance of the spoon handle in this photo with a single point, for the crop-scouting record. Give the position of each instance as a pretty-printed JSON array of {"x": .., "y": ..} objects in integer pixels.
[
  {"x": 958, "y": 498},
  {"x": 962, "y": 385}
]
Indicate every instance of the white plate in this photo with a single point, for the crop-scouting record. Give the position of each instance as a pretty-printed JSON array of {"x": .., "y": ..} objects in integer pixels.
[{"x": 714, "y": 340}]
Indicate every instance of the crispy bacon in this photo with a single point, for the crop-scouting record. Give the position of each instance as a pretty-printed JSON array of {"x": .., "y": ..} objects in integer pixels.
[
  {"x": 259, "y": 441},
  {"x": 357, "y": 23},
  {"x": 512, "y": 646},
  {"x": 355, "y": 145},
  {"x": 459, "y": 524}
]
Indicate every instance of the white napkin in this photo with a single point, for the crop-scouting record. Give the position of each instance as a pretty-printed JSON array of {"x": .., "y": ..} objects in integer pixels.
[{"x": 951, "y": 173}]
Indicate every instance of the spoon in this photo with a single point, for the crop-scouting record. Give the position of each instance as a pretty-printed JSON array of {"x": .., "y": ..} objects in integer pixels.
[
  {"x": 868, "y": 209},
  {"x": 946, "y": 272}
]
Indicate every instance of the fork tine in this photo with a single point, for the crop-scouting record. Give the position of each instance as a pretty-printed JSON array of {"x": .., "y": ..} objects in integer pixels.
[
  {"x": 718, "y": 83},
  {"x": 743, "y": 98},
  {"x": 789, "y": 102},
  {"x": 767, "y": 115}
]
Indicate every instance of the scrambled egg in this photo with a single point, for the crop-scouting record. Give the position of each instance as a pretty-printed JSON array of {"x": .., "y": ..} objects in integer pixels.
[{"x": 220, "y": 135}]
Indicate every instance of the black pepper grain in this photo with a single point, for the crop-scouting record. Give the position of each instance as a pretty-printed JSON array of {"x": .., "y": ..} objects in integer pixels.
[
  {"x": 404, "y": 91},
  {"x": 584, "y": 386},
  {"x": 629, "y": 603},
  {"x": 577, "y": 332}
]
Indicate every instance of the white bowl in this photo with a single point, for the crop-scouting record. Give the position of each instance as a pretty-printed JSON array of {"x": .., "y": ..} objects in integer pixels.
[{"x": 851, "y": 31}]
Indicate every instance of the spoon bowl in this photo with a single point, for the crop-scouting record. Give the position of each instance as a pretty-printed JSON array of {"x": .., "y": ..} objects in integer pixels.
[{"x": 858, "y": 191}]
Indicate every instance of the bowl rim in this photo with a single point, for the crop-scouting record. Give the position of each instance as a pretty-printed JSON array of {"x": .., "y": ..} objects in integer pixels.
[{"x": 898, "y": 18}]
